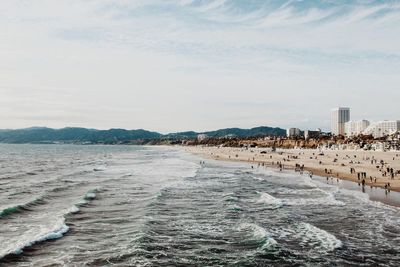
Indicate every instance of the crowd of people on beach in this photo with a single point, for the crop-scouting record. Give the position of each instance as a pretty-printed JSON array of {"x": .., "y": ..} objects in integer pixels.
[{"x": 354, "y": 162}]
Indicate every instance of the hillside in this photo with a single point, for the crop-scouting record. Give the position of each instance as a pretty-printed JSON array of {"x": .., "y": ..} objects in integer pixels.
[
  {"x": 113, "y": 136},
  {"x": 74, "y": 135}
]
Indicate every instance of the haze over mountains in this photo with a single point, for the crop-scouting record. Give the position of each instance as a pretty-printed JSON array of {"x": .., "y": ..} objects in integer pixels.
[{"x": 114, "y": 136}]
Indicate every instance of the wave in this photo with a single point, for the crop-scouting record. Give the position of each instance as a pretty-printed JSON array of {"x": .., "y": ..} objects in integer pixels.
[
  {"x": 257, "y": 178},
  {"x": 273, "y": 202},
  {"x": 37, "y": 201},
  {"x": 309, "y": 182},
  {"x": 313, "y": 196},
  {"x": 257, "y": 234},
  {"x": 330, "y": 200},
  {"x": 319, "y": 239},
  {"x": 284, "y": 178},
  {"x": 89, "y": 196},
  {"x": 10, "y": 210},
  {"x": 365, "y": 198},
  {"x": 57, "y": 231},
  {"x": 22, "y": 207}
]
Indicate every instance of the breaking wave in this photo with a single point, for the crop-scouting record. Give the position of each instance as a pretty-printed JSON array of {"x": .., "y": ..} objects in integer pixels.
[
  {"x": 324, "y": 201},
  {"x": 257, "y": 235},
  {"x": 22, "y": 207},
  {"x": 273, "y": 202},
  {"x": 319, "y": 239},
  {"x": 55, "y": 232}
]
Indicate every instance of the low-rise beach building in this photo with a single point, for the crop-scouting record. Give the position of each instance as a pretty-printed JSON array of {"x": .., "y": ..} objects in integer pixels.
[
  {"x": 308, "y": 134},
  {"x": 354, "y": 128},
  {"x": 382, "y": 128},
  {"x": 293, "y": 132}
]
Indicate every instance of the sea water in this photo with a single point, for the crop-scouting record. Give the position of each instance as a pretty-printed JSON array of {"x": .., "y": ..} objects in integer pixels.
[{"x": 70, "y": 205}]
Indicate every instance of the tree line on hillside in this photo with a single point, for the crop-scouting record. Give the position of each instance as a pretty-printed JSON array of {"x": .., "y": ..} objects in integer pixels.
[{"x": 122, "y": 136}]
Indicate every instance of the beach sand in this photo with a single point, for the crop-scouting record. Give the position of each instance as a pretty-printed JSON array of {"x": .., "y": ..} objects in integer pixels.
[{"x": 336, "y": 162}]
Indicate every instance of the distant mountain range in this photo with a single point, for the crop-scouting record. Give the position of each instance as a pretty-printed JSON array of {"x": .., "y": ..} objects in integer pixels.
[{"x": 113, "y": 136}]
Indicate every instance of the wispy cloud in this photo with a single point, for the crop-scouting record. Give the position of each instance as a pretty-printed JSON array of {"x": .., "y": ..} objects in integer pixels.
[{"x": 101, "y": 50}]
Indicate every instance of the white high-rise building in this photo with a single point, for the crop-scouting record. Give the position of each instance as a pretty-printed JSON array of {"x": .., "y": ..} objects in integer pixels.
[
  {"x": 382, "y": 128},
  {"x": 339, "y": 117},
  {"x": 354, "y": 128}
]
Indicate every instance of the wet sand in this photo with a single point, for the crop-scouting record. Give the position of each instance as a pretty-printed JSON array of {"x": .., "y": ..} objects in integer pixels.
[{"x": 331, "y": 164}]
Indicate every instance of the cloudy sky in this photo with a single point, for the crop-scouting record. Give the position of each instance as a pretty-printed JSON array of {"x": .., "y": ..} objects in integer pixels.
[{"x": 172, "y": 65}]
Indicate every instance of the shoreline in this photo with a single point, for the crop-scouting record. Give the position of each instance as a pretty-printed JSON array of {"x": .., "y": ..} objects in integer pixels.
[{"x": 376, "y": 190}]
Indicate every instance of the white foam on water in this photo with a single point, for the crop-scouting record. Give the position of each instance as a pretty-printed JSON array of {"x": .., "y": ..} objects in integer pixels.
[
  {"x": 319, "y": 239},
  {"x": 90, "y": 195},
  {"x": 258, "y": 234},
  {"x": 169, "y": 168},
  {"x": 313, "y": 196},
  {"x": 258, "y": 178},
  {"x": 355, "y": 194},
  {"x": 364, "y": 198},
  {"x": 309, "y": 182},
  {"x": 74, "y": 209},
  {"x": 35, "y": 236},
  {"x": 266, "y": 198},
  {"x": 328, "y": 200},
  {"x": 285, "y": 177}
]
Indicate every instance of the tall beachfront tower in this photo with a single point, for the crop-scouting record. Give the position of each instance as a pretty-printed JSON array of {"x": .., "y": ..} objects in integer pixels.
[{"x": 339, "y": 117}]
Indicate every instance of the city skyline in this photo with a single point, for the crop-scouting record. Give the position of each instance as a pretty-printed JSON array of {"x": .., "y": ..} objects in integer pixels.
[{"x": 181, "y": 65}]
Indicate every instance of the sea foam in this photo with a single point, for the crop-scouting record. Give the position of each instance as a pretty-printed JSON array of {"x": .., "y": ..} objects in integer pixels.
[
  {"x": 258, "y": 234},
  {"x": 319, "y": 239},
  {"x": 55, "y": 232},
  {"x": 273, "y": 202}
]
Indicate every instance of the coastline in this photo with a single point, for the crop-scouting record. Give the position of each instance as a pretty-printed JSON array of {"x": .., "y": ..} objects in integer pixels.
[{"x": 316, "y": 163}]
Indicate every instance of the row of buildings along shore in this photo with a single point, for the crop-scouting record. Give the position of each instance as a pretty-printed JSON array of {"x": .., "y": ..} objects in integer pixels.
[{"x": 342, "y": 125}]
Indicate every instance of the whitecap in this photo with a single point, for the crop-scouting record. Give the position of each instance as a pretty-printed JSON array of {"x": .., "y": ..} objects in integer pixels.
[
  {"x": 257, "y": 178},
  {"x": 90, "y": 196},
  {"x": 266, "y": 198},
  {"x": 258, "y": 234},
  {"x": 319, "y": 239},
  {"x": 325, "y": 198},
  {"x": 57, "y": 231}
]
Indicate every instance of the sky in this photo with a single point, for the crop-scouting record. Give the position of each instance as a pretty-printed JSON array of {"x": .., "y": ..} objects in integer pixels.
[{"x": 176, "y": 65}]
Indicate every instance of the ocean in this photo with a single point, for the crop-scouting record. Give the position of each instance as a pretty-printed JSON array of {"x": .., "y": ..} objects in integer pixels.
[{"x": 75, "y": 205}]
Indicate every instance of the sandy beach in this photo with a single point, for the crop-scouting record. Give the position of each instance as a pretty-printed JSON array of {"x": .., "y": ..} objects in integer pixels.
[{"x": 374, "y": 167}]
